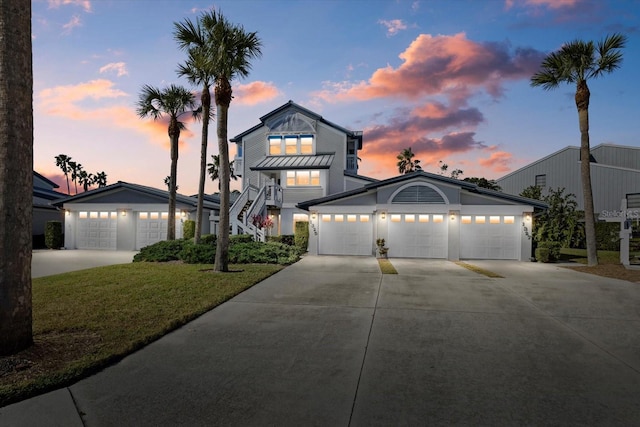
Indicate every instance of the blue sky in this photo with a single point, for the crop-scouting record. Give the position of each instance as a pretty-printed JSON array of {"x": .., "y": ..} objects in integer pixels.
[{"x": 448, "y": 78}]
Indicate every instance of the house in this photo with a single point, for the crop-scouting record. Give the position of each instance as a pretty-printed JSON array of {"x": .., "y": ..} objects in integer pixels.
[
  {"x": 44, "y": 194},
  {"x": 291, "y": 156},
  {"x": 125, "y": 216},
  {"x": 615, "y": 175},
  {"x": 422, "y": 215}
]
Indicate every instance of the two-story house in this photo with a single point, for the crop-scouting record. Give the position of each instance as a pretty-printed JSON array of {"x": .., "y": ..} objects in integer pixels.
[{"x": 291, "y": 156}]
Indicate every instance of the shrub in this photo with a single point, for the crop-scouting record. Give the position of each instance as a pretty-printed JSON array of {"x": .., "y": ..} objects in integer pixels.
[
  {"x": 166, "y": 250},
  {"x": 548, "y": 251},
  {"x": 263, "y": 253},
  {"x": 201, "y": 253},
  {"x": 53, "y": 235},
  {"x": 301, "y": 235},
  {"x": 608, "y": 236},
  {"x": 189, "y": 229},
  {"x": 287, "y": 239},
  {"x": 240, "y": 238},
  {"x": 209, "y": 239}
]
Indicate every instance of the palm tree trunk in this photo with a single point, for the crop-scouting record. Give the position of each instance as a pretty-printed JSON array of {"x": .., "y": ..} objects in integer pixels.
[
  {"x": 206, "y": 108},
  {"x": 174, "y": 135},
  {"x": 16, "y": 175},
  {"x": 222, "y": 245},
  {"x": 582, "y": 103}
]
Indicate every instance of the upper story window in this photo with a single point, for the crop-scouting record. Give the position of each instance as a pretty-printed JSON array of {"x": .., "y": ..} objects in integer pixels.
[
  {"x": 290, "y": 145},
  {"x": 541, "y": 181},
  {"x": 303, "y": 178}
]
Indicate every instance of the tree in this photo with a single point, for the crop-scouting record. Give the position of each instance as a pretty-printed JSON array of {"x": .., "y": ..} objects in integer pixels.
[
  {"x": 167, "y": 182},
  {"x": 455, "y": 174},
  {"x": 62, "y": 161},
  {"x": 491, "y": 184},
  {"x": 406, "y": 163},
  {"x": 100, "y": 179},
  {"x": 214, "y": 169},
  {"x": 16, "y": 175},
  {"x": 75, "y": 169},
  {"x": 198, "y": 68},
  {"x": 230, "y": 49},
  {"x": 85, "y": 179},
  {"x": 173, "y": 101},
  {"x": 576, "y": 62}
]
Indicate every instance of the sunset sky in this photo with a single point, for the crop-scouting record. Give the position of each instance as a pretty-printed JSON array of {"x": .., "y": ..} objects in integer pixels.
[{"x": 448, "y": 78}]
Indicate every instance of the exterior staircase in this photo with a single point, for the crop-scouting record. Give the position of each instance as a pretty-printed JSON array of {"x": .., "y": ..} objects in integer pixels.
[{"x": 251, "y": 202}]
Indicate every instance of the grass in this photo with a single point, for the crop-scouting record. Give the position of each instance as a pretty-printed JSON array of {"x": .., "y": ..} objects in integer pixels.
[
  {"x": 86, "y": 320},
  {"x": 479, "y": 270},
  {"x": 608, "y": 264},
  {"x": 386, "y": 267}
]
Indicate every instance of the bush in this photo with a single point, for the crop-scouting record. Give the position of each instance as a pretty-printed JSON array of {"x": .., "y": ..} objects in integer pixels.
[
  {"x": 202, "y": 253},
  {"x": 240, "y": 238},
  {"x": 287, "y": 239},
  {"x": 548, "y": 251},
  {"x": 608, "y": 236},
  {"x": 263, "y": 253},
  {"x": 167, "y": 250},
  {"x": 208, "y": 239},
  {"x": 301, "y": 235},
  {"x": 53, "y": 235},
  {"x": 189, "y": 229}
]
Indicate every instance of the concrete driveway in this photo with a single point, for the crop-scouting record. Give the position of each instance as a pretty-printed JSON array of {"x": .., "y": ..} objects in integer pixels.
[
  {"x": 50, "y": 262},
  {"x": 330, "y": 341}
]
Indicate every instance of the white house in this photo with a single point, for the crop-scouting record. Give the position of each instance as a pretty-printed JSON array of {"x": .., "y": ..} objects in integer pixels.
[
  {"x": 292, "y": 155},
  {"x": 615, "y": 174},
  {"x": 422, "y": 215},
  {"x": 124, "y": 216}
]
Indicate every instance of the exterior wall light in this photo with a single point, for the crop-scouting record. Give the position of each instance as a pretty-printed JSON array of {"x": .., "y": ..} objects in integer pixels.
[
  {"x": 383, "y": 215},
  {"x": 528, "y": 217},
  {"x": 67, "y": 213},
  {"x": 124, "y": 213},
  {"x": 453, "y": 217},
  {"x": 313, "y": 216}
]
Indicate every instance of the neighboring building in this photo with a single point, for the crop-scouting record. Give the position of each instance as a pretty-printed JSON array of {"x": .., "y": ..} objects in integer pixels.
[
  {"x": 126, "y": 216},
  {"x": 292, "y": 155},
  {"x": 422, "y": 215},
  {"x": 615, "y": 174},
  {"x": 44, "y": 194}
]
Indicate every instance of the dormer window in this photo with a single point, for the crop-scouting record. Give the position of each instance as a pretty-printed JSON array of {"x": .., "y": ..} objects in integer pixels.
[{"x": 290, "y": 145}]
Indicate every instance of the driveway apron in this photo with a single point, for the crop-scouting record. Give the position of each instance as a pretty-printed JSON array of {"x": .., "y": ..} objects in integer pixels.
[{"x": 330, "y": 341}]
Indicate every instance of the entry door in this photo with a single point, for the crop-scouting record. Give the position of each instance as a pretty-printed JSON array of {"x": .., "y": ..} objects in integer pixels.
[
  {"x": 345, "y": 234},
  {"x": 417, "y": 236}
]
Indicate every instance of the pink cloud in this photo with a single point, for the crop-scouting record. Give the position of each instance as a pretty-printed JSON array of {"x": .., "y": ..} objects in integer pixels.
[
  {"x": 73, "y": 23},
  {"x": 84, "y": 4},
  {"x": 393, "y": 26},
  {"x": 442, "y": 65},
  {"x": 119, "y": 68},
  {"x": 498, "y": 161},
  {"x": 255, "y": 93}
]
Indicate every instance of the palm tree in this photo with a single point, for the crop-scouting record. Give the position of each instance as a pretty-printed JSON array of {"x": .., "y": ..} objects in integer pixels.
[
  {"x": 199, "y": 71},
  {"x": 62, "y": 161},
  {"x": 406, "y": 164},
  {"x": 576, "y": 62},
  {"x": 75, "y": 169},
  {"x": 85, "y": 179},
  {"x": 174, "y": 101},
  {"x": 16, "y": 175},
  {"x": 214, "y": 169},
  {"x": 229, "y": 49},
  {"x": 100, "y": 179}
]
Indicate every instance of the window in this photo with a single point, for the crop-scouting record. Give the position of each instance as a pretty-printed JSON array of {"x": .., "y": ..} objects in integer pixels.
[
  {"x": 93, "y": 215},
  {"x": 494, "y": 220},
  {"x": 303, "y": 178},
  {"x": 84, "y": 215},
  {"x": 143, "y": 215},
  {"x": 480, "y": 219},
  {"x": 351, "y": 218},
  {"x": 155, "y": 215},
  {"x": 409, "y": 218},
  {"x": 423, "y": 218},
  {"x": 541, "y": 181},
  {"x": 290, "y": 145},
  {"x": 438, "y": 218},
  {"x": 326, "y": 218},
  {"x": 466, "y": 219},
  {"x": 364, "y": 218},
  {"x": 396, "y": 218},
  {"x": 339, "y": 218},
  {"x": 509, "y": 219}
]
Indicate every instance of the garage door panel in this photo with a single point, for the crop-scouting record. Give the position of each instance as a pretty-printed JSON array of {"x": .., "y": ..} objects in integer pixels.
[
  {"x": 345, "y": 234},
  {"x": 417, "y": 236},
  {"x": 151, "y": 228},
  {"x": 97, "y": 230},
  {"x": 489, "y": 240}
]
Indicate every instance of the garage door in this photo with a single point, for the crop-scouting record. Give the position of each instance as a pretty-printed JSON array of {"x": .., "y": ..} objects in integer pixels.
[
  {"x": 97, "y": 230},
  {"x": 345, "y": 234},
  {"x": 417, "y": 236},
  {"x": 489, "y": 237},
  {"x": 151, "y": 228}
]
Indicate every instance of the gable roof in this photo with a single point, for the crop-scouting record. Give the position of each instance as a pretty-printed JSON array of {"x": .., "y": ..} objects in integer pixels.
[
  {"x": 46, "y": 180},
  {"x": 150, "y": 191},
  {"x": 471, "y": 187},
  {"x": 293, "y": 106}
]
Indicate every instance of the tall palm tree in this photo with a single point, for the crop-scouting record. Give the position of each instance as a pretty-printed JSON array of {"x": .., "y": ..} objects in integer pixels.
[
  {"x": 62, "y": 161},
  {"x": 406, "y": 163},
  {"x": 16, "y": 175},
  {"x": 173, "y": 101},
  {"x": 230, "y": 49},
  {"x": 576, "y": 62},
  {"x": 100, "y": 179},
  {"x": 198, "y": 70},
  {"x": 85, "y": 179},
  {"x": 214, "y": 169},
  {"x": 75, "y": 169}
]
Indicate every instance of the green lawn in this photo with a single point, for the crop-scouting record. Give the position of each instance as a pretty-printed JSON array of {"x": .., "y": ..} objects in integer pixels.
[
  {"x": 580, "y": 255},
  {"x": 86, "y": 320}
]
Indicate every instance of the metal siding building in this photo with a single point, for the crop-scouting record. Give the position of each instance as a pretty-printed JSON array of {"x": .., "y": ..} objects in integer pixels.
[{"x": 615, "y": 172}]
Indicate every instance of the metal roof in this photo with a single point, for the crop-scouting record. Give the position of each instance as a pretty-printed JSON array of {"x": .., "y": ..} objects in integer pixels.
[{"x": 318, "y": 161}]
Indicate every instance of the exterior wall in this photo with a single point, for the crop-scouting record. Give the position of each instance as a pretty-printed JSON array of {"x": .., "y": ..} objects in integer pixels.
[
  {"x": 255, "y": 149},
  {"x": 41, "y": 216},
  {"x": 617, "y": 155}
]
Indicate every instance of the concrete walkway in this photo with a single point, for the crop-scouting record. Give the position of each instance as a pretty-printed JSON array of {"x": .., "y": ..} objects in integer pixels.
[
  {"x": 330, "y": 341},
  {"x": 50, "y": 262}
]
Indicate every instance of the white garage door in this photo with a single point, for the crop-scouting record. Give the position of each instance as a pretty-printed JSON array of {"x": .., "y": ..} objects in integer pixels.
[
  {"x": 97, "y": 230},
  {"x": 489, "y": 237},
  {"x": 151, "y": 228},
  {"x": 345, "y": 234},
  {"x": 417, "y": 236}
]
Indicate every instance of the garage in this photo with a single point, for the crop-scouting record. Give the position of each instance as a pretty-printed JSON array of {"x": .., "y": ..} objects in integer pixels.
[
  {"x": 97, "y": 230},
  {"x": 489, "y": 237},
  {"x": 417, "y": 236},
  {"x": 151, "y": 227},
  {"x": 346, "y": 234}
]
